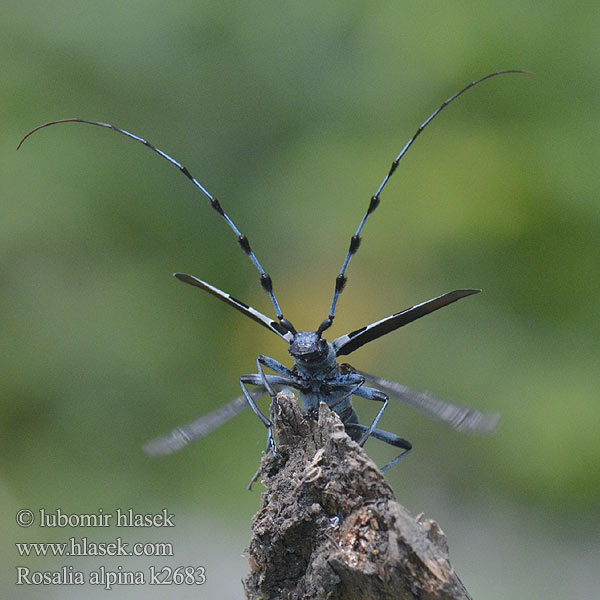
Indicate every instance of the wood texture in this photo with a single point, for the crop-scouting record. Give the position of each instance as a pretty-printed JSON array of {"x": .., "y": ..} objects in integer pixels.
[{"x": 330, "y": 527}]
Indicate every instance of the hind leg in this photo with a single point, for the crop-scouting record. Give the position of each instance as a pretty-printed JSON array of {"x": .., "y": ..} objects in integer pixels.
[{"x": 357, "y": 430}]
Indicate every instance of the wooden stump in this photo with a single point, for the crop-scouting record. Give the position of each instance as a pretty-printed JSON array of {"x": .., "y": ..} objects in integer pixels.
[{"x": 330, "y": 527}]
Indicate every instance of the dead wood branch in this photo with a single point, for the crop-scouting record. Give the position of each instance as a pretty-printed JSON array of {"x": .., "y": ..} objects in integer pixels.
[{"x": 330, "y": 527}]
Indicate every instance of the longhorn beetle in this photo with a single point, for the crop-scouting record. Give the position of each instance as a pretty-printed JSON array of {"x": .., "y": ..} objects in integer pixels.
[{"x": 316, "y": 374}]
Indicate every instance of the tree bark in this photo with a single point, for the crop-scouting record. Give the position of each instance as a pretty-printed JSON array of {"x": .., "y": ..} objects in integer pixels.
[{"x": 330, "y": 527}]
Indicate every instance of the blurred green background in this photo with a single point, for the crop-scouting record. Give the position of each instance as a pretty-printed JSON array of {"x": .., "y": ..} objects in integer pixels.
[{"x": 290, "y": 113}]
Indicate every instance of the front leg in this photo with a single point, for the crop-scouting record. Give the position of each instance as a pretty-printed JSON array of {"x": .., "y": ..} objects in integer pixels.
[
  {"x": 274, "y": 365},
  {"x": 356, "y": 381},
  {"x": 270, "y": 446},
  {"x": 372, "y": 394},
  {"x": 269, "y": 382}
]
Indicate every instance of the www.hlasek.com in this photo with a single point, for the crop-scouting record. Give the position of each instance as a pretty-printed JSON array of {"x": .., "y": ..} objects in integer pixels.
[{"x": 83, "y": 546}]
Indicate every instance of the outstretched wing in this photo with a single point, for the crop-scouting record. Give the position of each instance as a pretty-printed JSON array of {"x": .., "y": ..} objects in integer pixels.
[
  {"x": 182, "y": 436},
  {"x": 466, "y": 420},
  {"x": 254, "y": 314},
  {"x": 351, "y": 341}
]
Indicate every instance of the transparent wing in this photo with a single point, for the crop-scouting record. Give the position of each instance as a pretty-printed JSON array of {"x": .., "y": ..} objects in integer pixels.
[
  {"x": 466, "y": 420},
  {"x": 182, "y": 436}
]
